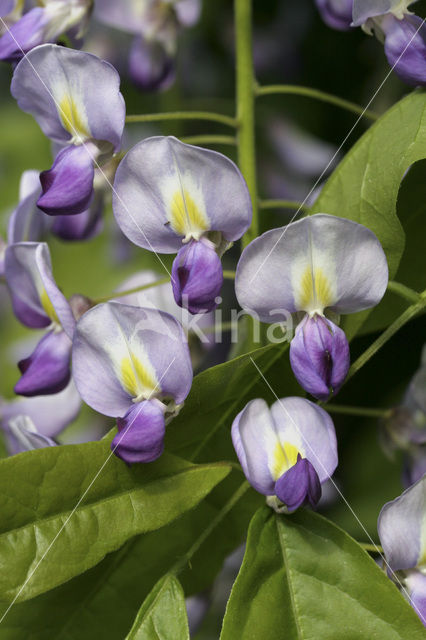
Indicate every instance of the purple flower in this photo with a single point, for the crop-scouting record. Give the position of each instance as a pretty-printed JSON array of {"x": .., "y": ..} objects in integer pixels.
[
  {"x": 172, "y": 197},
  {"x": 318, "y": 264},
  {"x": 287, "y": 452},
  {"x": 402, "y": 533},
  {"x": 31, "y": 423},
  {"x": 28, "y": 222},
  {"x": 55, "y": 85},
  {"x": 44, "y": 24},
  {"x": 132, "y": 364},
  {"x": 38, "y": 303},
  {"x": 337, "y": 14},
  {"x": 365, "y": 9},
  {"x": 156, "y": 26}
]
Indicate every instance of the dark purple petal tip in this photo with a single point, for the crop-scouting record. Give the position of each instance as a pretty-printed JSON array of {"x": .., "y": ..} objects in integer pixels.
[
  {"x": 67, "y": 187},
  {"x": 299, "y": 485},
  {"x": 47, "y": 369},
  {"x": 140, "y": 436},
  {"x": 197, "y": 277},
  {"x": 319, "y": 356}
]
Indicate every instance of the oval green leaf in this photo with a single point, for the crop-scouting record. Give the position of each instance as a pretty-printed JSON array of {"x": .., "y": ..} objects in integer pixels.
[{"x": 302, "y": 578}]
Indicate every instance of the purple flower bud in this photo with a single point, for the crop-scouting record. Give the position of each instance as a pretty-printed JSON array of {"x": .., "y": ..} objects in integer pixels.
[
  {"x": 47, "y": 369},
  {"x": 319, "y": 356},
  {"x": 82, "y": 226},
  {"x": 337, "y": 14},
  {"x": 197, "y": 276},
  {"x": 150, "y": 66},
  {"x": 68, "y": 186},
  {"x": 405, "y": 49},
  {"x": 299, "y": 485},
  {"x": 140, "y": 436}
]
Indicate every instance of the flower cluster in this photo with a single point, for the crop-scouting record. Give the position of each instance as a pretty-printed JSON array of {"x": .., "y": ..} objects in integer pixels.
[{"x": 402, "y": 33}]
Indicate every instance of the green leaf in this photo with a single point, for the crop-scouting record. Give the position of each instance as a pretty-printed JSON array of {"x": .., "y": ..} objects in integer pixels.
[
  {"x": 162, "y": 615},
  {"x": 364, "y": 187},
  {"x": 108, "y": 596},
  {"x": 303, "y": 578},
  {"x": 62, "y": 509}
]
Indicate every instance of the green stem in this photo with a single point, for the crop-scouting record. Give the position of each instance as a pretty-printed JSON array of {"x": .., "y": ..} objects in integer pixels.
[
  {"x": 282, "y": 204},
  {"x": 228, "y": 275},
  {"x": 121, "y": 294},
  {"x": 372, "y": 548},
  {"x": 245, "y": 105},
  {"x": 356, "y": 411},
  {"x": 405, "y": 317},
  {"x": 289, "y": 89},
  {"x": 209, "y": 139},
  {"x": 184, "y": 115},
  {"x": 182, "y": 562},
  {"x": 403, "y": 291}
]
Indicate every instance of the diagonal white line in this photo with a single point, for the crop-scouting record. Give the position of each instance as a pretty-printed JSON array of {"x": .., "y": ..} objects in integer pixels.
[
  {"x": 314, "y": 455},
  {"x": 357, "y": 121},
  {"x": 122, "y": 434},
  {"x": 92, "y": 157}
]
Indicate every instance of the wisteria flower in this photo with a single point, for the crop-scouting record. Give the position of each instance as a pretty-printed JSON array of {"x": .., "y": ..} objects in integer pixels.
[
  {"x": 403, "y": 35},
  {"x": 10, "y": 12},
  {"x": 132, "y": 364},
  {"x": 402, "y": 533},
  {"x": 316, "y": 265},
  {"x": 32, "y": 423},
  {"x": 172, "y": 197},
  {"x": 155, "y": 25},
  {"x": 56, "y": 86},
  {"x": 287, "y": 451},
  {"x": 38, "y": 303},
  {"x": 44, "y": 23}
]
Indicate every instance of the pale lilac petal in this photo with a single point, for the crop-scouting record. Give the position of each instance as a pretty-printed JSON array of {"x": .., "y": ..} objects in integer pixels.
[
  {"x": 401, "y": 528},
  {"x": 22, "y": 435},
  {"x": 347, "y": 262},
  {"x": 162, "y": 177},
  {"x": 253, "y": 437},
  {"x": 47, "y": 369},
  {"x": 27, "y": 222},
  {"x": 405, "y": 49},
  {"x": 363, "y": 10},
  {"x": 151, "y": 68},
  {"x": 188, "y": 11},
  {"x": 337, "y": 14},
  {"x": 126, "y": 15},
  {"x": 310, "y": 429},
  {"x": 112, "y": 332},
  {"x": 319, "y": 356},
  {"x": 50, "y": 414},
  {"x": 197, "y": 277},
  {"x": 51, "y": 80},
  {"x": 416, "y": 587},
  {"x": 299, "y": 485},
  {"x": 68, "y": 185},
  {"x": 141, "y": 432},
  {"x": 24, "y": 35},
  {"x": 414, "y": 466},
  {"x": 6, "y": 6}
]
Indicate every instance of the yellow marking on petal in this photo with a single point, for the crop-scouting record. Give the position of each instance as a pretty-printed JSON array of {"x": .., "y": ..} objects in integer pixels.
[
  {"x": 48, "y": 307},
  {"x": 186, "y": 217},
  {"x": 137, "y": 378},
  {"x": 316, "y": 291},
  {"x": 73, "y": 118},
  {"x": 283, "y": 458}
]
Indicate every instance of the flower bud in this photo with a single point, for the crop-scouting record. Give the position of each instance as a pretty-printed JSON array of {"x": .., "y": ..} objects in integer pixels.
[
  {"x": 299, "y": 485},
  {"x": 140, "y": 436},
  {"x": 319, "y": 356},
  {"x": 337, "y": 14},
  {"x": 197, "y": 276},
  {"x": 150, "y": 66}
]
